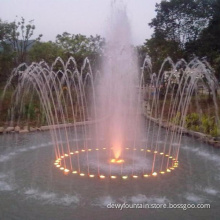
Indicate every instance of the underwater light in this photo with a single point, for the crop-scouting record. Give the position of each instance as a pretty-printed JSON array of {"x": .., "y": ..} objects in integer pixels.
[
  {"x": 60, "y": 163},
  {"x": 124, "y": 177},
  {"x": 154, "y": 174},
  {"x": 117, "y": 161}
]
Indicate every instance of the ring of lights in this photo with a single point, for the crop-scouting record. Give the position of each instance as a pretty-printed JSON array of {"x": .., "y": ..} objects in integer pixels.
[{"x": 60, "y": 165}]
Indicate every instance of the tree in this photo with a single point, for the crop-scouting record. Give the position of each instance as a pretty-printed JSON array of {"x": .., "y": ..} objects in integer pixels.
[
  {"x": 79, "y": 46},
  {"x": 181, "y": 20},
  {"x": 20, "y": 39},
  {"x": 15, "y": 41},
  {"x": 47, "y": 51}
]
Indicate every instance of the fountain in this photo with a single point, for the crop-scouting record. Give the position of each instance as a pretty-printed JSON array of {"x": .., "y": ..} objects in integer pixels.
[{"x": 123, "y": 123}]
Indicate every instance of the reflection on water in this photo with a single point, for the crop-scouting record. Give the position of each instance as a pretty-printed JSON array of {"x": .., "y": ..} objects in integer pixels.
[{"x": 29, "y": 183}]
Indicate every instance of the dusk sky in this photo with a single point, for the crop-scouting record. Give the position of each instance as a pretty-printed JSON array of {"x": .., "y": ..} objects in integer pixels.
[{"x": 88, "y": 17}]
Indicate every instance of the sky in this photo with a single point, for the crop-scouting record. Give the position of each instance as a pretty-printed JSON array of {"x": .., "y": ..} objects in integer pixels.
[{"x": 87, "y": 17}]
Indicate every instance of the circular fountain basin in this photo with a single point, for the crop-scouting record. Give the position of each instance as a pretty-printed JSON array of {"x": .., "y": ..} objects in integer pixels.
[{"x": 31, "y": 187}]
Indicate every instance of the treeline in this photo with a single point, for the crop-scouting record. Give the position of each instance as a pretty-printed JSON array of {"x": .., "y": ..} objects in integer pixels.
[
  {"x": 18, "y": 46},
  {"x": 184, "y": 29},
  {"x": 181, "y": 29}
]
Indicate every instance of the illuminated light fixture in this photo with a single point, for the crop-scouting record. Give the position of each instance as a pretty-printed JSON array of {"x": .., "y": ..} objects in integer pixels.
[
  {"x": 154, "y": 174},
  {"x": 112, "y": 160},
  {"x": 117, "y": 161},
  {"x": 59, "y": 164},
  {"x": 113, "y": 177}
]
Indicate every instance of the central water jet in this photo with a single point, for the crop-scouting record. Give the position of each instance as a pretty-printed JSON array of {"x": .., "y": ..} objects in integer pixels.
[{"x": 118, "y": 97}]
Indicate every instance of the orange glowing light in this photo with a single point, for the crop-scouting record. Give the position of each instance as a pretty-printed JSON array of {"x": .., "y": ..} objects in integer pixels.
[
  {"x": 102, "y": 176},
  {"x": 168, "y": 170},
  {"x": 74, "y": 172},
  {"x": 89, "y": 149},
  {"x": 162, "y": 172},
  {"x": 154, "y": 174},
  {"x": 61, "y": 168},
  {"x": 66, "y": 171},
  {"x": 83, "y": 150},
  {"x": 161, "y": 153},
  {"x": 82, "y": 174},
  {"x": 124, "y": 177},
  {"x": 57, "y": 165},
  {"x": 117, "y": 161},
  {"x": 71, "y": 153},
  {"x": 134, "y": 176},
  {"x": 146, "y": 175},
  {"x": 148, "y": 150},
  {"x": 66, "y": 155},
  {"x": 62, "y": 156},
  {"x": 91, "y": 175},
  {"x": 77, "y": 152}
]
